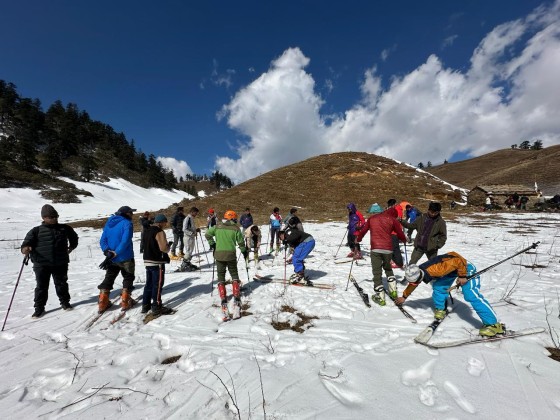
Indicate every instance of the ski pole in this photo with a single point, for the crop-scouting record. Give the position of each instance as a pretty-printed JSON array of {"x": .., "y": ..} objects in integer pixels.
[
  {"x": 345, "y": 232},
  {"x": 25, "y": 262},
  {"x": 160, "y": 279},
  {"x": 533, "y": 246},
  {"x": 196, "y": 247},
  {"x": 405, "y": 254},
  {"x": 267, "y": 238},
  {"x": 204, "y": 248},
  {"x": 212, "y": 290},
  {"x": 285, "y": 267},
  {"x": 350, "y": 274}
]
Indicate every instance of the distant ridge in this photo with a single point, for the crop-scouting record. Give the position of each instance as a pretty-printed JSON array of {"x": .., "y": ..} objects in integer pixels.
[{"x": 506, "y": 166}]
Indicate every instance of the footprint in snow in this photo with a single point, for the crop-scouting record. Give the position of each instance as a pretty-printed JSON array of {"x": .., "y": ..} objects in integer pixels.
[
  {"x": 418, "y": 376},
  {"x": 428, "y": 393},
  {"x": 475, "y": 366},
  {"x": 337, "y": 384},
  {"x": 458, "y": 397}
]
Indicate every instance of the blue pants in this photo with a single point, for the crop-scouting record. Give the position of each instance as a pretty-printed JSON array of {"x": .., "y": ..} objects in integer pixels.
[
  {"x": 471, "y": 292},
  {"x": 300, "y": 253},
  {"x": 154, "y": 284}
]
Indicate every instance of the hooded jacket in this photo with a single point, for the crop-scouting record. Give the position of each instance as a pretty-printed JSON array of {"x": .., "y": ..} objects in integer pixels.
[
  {"x": 380, "y": 227},
  {"x": 117, "y": 237}
]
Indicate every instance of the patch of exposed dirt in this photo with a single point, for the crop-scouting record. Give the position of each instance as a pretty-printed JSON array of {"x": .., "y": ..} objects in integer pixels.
[{"x": 300, "y": 326}]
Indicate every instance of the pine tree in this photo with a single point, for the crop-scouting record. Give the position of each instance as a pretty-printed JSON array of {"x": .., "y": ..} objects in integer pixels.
[{"x": 537, "y": 145}]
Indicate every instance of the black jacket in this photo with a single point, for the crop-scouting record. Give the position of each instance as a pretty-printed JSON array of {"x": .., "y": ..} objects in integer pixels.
[
  {"x": 177, "y": 223},
  {"x": 293, "y": 237},
  {"x": 50, "y": 243}
]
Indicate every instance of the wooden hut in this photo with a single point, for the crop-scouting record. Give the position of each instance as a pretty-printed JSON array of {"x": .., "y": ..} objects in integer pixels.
[{"x": 477, "y": 196}]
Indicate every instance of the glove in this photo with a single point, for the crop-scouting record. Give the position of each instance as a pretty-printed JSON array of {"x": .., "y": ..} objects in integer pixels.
[
  {"x": 106, "y": 263},
  {"x": 246, "y": 254},
  {"x": 213, "y": 247}
]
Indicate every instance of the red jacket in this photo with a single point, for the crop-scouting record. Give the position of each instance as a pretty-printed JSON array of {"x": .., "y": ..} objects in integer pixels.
[{"x": 380, "y": 226}]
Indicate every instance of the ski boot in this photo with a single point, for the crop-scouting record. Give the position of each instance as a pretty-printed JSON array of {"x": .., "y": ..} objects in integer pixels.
[
  {"x": 104, "y": 301},
  {"x": 236, "y": 299},
  {"x": 357, "y": 255},
  {"x": 66, "y": 306},
  {"x": 180, "y": 254},
  {"x": 350, "y": 255},
  {"x": 39, "y": 312},
  {"x": 440, "y": 314},
  {"x": 297, "y": 277},
  {"x": 492, "y": 330},
  {"x": 126, "y": 300},
  {"x": 161, "y": 310},
  {"x": 223, "y": 296},
  {"x": 379, "y": 295},
  {"x": 392, "y": 287}
]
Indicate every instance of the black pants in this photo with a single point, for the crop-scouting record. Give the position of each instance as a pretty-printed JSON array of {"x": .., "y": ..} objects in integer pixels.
[
  {"x": 43, "y": 275},
  {"x": 155, "y": 278},
  {"x": 397, "y": 256},
  {"x": 126, "y": 268}
]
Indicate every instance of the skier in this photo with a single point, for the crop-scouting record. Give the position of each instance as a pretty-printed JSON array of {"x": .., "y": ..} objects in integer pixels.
[
  {"x": 146, "y": 221},
  {"x": 178, "y": 234},
  {"x": 432, "y": 233},
  {"x": 381, "y": 224},
  {"x": 302, "y": 243},
  {"x": 253, "y": 240},
  {"x": 355, "y": 222},
  {"x": 211, "y": 219},
  {"x": 398, "y": 261},
  {"x": 275, "y": 225},
  {"x": 223, "y": 239},
  {"x": 412, "y": 213},
  {"x": 49, "y": 245},
  {"x": 443, "y": 270},
  {"x": 191, "y": 231},
  {"x": 246, "y": 219},
  {"x": 155, "y": 258},
  {"x": 296, "y": 220},
  {"x": 116, "y": 244}
]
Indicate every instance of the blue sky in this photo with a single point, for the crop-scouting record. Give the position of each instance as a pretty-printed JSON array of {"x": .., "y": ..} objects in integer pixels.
[{"x": 248, "y": 86}]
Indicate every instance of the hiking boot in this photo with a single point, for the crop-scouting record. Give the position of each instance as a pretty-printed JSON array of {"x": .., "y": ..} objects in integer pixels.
[
  {"x": 492, "y": 330},
  {"x": 39, "y": 312},
  {"x": 146, "y": 308},
  {"x": 126, "y": 300},
  {"x": 103, "y": 302},
  {"x": 66, "y": 306},
  {"x": 440, "y": 314},
  {"x": 161, "y": 310}
]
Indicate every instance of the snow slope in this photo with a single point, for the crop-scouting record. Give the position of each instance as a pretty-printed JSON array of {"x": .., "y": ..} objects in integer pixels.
[{"x": 353, "y": 363}]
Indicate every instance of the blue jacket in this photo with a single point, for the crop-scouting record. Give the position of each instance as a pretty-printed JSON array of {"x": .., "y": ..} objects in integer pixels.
[
  {"x": 412, "y": 214},
  {"x": 246, "y": 220},
  {"x": 117, "y": 236}
]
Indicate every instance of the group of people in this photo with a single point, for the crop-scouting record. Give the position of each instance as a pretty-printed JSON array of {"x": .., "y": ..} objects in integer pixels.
[{"x": 50, "y": 243}]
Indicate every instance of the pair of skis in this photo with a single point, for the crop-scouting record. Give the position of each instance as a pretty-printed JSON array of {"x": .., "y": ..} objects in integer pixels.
[
  {"x": 424, "y": 337},
  {"x": 308, "y": 283}
]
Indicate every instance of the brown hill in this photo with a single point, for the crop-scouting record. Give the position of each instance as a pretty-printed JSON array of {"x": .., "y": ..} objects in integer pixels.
[
  {"x": 506, "y": 166},
  {"x": 322, "y": 186}
]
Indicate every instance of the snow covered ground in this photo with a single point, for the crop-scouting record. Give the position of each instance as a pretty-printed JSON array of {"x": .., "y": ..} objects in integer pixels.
[{"x": 352, "y": 363}]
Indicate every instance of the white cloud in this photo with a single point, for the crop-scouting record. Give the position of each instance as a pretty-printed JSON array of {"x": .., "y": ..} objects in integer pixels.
[
  {"x": 179, "y": 167},
  {"x": 448, "y": 42},
  {"x": 387, "y": 51},
  {"x": 509, "y": 94}
]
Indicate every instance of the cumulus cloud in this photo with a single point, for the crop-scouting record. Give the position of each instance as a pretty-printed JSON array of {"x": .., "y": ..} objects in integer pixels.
[
  {"x": 508, "y": 94},
  {"x": 179, "y": 167}
]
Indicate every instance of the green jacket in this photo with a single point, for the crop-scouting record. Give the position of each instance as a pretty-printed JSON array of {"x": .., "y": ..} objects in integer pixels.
[
  {"x": 226, "y": 236},
  {"x": 437, "y": 236}
]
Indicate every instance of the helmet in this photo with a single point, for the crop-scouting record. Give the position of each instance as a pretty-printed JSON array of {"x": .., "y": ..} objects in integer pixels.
[
  {"x": 413, "y": 273},
  {"x": 211, "y": 211},
  {"x": 230, "y": 215},
  {"x": 471, "y": 269}
]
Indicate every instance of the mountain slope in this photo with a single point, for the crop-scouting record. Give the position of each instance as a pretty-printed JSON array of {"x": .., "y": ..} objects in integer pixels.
[{"x": 504, "y": 166}]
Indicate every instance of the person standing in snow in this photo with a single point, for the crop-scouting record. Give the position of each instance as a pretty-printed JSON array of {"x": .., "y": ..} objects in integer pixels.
[
  {"x": 442, "y": 271},
  {"x": 48, "y": 246},
  {"x": 302, "y": 243},
  {"x": 146, "y": 221},
  {"x": 397, "y": 255},
  {"x": 432, "y": 233},
  {"x": 191, "y": 231},
  {"x": 116, "y": 244},
  {"x": 178, "y": 234},
  {"x": 155, "y": 257},
  {"x": 275, "y": 225},
  {"x": 293, "y": 220},
  {"x": 412, "y": 213},
  {"x": 380, "y": 225},
  {"x": 355, "y": 222},
  {"x": 253, "y": 238},
  {"x": 211, "y": 219},
  {"x": 246, "y": 219},
  {"x": 223, "y": 240}
]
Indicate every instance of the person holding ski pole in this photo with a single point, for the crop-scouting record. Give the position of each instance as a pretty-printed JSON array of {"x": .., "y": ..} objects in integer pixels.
[
  {"x": 380, "y": 225},
  {"x": 253, "y": 238},
  {"x": 303, "y": 243},
  {"x": 48, "y": 245},
  {"x": 442, "y": 271},
  {"x": 191, "y": 231},
  {"x": 355, "y": 222},
  {"x": 223, "y": 240},
  {"x": 275, "y": 225}
]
